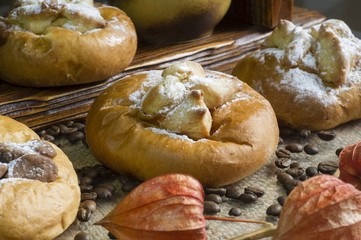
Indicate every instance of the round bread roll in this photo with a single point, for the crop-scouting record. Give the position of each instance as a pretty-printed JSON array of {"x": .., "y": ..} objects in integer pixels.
[
  {"x": 64, "y": 42},
  {"x": 31, "y": 209},
  {"x": 182, "y": 120},
  {"x": 311, "y": 77}
]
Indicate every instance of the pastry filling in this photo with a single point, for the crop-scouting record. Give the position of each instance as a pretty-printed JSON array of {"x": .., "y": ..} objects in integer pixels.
[
  {"x": 31, "y": 160},
  {"x": 37, "y": 15},
  {"x": 182, "y": 101}
]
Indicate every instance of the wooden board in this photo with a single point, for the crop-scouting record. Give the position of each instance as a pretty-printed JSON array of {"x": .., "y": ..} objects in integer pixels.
[{"x": 39, "y": 107}]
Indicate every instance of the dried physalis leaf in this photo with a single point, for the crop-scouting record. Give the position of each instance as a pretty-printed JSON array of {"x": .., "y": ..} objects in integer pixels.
[
  {"x": 350, "y": 165},
  {"x": 165, "y": 207},
  {"x": 321, "y": 208}
]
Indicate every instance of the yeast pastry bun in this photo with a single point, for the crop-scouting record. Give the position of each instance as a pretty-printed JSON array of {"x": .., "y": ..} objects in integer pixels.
[
  {"x": 311, "y": 77},
  {"x": 64, "y": 42},
  {"x": 32, "y": 209},
  {"x": 185, "y": 120}
]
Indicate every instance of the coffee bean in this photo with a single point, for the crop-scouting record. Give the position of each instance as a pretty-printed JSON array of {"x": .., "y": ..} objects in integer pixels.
[
  {"x": 283, "y": 153},
  {"x": 76, "y": 136},
  {"x": 274, "y": 210},
  {"x": 6, "y": 157},
  {"x": 219, "y": 191},
  {"x": 3, "y": 170},
  {"x": 86, "y": 188},
  {"x": 42, "y": 133},
  {"x": 86, "y": 181},
  {"x": 326, "y": 135},
  {"x": 286, "y": 131},
  {"x": 283, "y": 162},
  {"x": 92, "y": 172},
  {"x": 88, "y": 196},
  {"x": 79, "y": 126},
  {"x": 35, "y": 167},
  {"x": 327, "y": 167},
  {"x": 311, "y": 171},
  {"x": 281, "y": 200},
  {"x": 310, "y": 149},
  {"x": 103, "y": 193},
  {"x": 303, "y": 177},
  {"x": 89, "y": 204},
  {"x": 84, "y": 214},
  {"x": 305, "y": 133},
  {"x": 211, "y": 207},
  {"x": 68, "y": 123},
  {"x": 82, "y": 236},
  {"x": 249, "y": 197},
  {"x": 109, "y": 186},
  {"x": 290, "y": 183},
  {"x": 48, "y": 138},
  {"x": 294, "y": 148},
  {"x": 283, "y": 177},
  {"x": 233, "y": 193},
  {"x": 129, "y": 186},
  {"x": 235, "y": 211},
  {"x": 53, "y": 131},
  {"x": 295, "y": 165},
  {"x": 68, "y": 131},
  {"x": 338, "y": 151},
  {"x": 214, "y": 198},
  {"x": 258, "y": 192},
  {"x": 124, "y": 178},
  {"x": 295, "y": 171},
  {"x": 111, "y": 236}
]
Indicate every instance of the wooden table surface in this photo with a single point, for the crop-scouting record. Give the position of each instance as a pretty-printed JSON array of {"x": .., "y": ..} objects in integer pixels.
[{"x": 40, "y": 107}]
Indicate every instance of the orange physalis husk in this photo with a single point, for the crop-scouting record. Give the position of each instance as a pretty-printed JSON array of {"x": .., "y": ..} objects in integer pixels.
[
  {"x": 321, "y": 208},
  {"x": 350, "y": 165},
  {"x": 165, "y": 207}
]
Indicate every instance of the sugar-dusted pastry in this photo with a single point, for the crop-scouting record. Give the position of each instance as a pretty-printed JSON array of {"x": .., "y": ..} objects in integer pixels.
[
  {"x": 311, "y": 76},
  {"x": 39, "y": 192},
  {"x": 64, "y": 42},
  {"x": 185, "y": 120}
]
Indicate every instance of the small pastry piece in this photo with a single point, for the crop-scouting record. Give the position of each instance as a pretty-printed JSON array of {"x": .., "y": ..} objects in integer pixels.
[
  {"x": 183, "y": 119},
  {"x": 64, "y": 42},
  {"x": 39, "y": 194},
  {"x": 311, "y": 76}
]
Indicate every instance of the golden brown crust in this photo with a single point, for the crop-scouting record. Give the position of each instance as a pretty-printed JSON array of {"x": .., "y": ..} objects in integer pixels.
[
  {"x": 33, "y": 209},
  {"x": 244, "y": 135},
  {"x": 60, "y": 56},
  {"x": 309, "y": 94}
]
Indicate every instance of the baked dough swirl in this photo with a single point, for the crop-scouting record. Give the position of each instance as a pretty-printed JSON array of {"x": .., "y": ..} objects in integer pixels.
[
  {"x": 64, "y": 42},
  {"x": 183, "y": 119}
]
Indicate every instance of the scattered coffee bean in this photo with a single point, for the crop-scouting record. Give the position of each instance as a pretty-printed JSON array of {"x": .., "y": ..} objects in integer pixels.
[
  {"x": 84, "y": 214},
  {"x": 82, "y": 236},
  {"x": 283, "y": 153},
  {"x": 294, "y": 148},
  {"x": 110, "y": 186},
  {"x": 248, "y": 197},
  {"x": 69, "y": 123},
  {"x": 259, "y": 193},
  {"x": 310, "y": 149},
  {"x": 111, "y": 236},
  {"x": 124, "y": 178},
  {"x": 283, "y": 177},
  {"x": 91, "y": 172},
  {"x": 68, "y": 131},
  {"x": 88, "y": 196},
  {"x": 281, "y": 200},
  {"x": 89, "y": 204},
  {"x": 3, "y": 170},
  {"x": 211, "y": 207},
  {"x": 283, "y": 162},
  {"x": 338, "y": 151},
  {"x": 295, "y": 171},
  {"x": 219, "y": 191},
  {"x": 327, "y": 167},
  {"x": 311, "y": 171},
  {"x": 235, "y": 211},
  {"x": 303, "y": 177},
  {"x": 86, "y": 180},
  {"x": 53, "y": 131},
  {"x": 295, "y": 165},
  {"x": 286, "y": 131},
  {"x": 289, "y": 189},
  {"x": 48, "y": 138},
  {"x": 86, "y": 188},
  {"x": 129, "y": 186},
  {"x": 76, "y": 136},
  {"x": 78, "y": 126},
  {"x": 305, "y": 133},
  {"x": 233, "y": 193},
  {"x": 326, "y": 135},
  {"x": 290, "y": 183},
  {"x": 42, "y": 133},
  {"x": 103, "y": 193},
  {"x": 214, "y": 198},
  {"x": 274, "y": 210}
]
